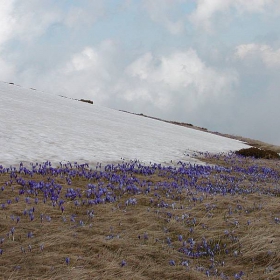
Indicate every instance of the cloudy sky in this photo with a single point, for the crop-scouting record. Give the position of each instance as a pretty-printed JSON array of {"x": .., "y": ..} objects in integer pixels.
[{"x": 212, "y": 63}]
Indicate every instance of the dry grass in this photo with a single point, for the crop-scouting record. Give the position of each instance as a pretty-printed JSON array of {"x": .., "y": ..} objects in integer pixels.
[{"x": 243, "y": 225}]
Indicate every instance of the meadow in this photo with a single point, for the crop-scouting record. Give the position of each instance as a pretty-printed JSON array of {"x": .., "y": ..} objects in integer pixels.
[{"x": 129, "y": 220}]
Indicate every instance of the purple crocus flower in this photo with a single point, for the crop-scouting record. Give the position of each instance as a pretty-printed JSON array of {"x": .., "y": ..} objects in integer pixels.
[
  {"x": 238, "y": 276},
  {"x": 67, "y": 260},
  {"x": 172, "y": 262},
  {"x": 168, "y": 240},
  {"x": 146, "y": 236}
]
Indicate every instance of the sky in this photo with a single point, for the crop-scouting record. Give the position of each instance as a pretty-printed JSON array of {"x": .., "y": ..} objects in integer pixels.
[{"x": 212, "y": 63}]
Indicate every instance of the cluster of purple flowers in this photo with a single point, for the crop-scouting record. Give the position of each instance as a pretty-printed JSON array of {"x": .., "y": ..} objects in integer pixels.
[{"x": 130, "y": 179}]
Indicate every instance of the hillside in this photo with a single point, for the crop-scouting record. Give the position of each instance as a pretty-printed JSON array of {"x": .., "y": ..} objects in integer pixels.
[
  {"x": 41, "y": 126},
  {"x": 87, "y": 192},
  {"x": 249, "y": 141}
]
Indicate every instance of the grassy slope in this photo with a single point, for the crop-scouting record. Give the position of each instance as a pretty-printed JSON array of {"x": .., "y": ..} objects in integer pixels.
[
  {"x": 138, "y": 234},
  {"x": 243, "y": 224}
]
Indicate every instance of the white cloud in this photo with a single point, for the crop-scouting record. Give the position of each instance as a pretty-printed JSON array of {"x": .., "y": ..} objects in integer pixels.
[
  {"x": 270, "y": 57},
  {"x": 141, "y": 67},
  {"x": 7, "y": 21},
  {"x": 86, "y": 60},
  {"x": 86, "y": 74},
  {"x": 162, "y": 84},
  {"x": 159, "y": 11},
  {"x": 178, "y": 76},
  {"x": 206, "y": 10},
  {"x": 258, "y": 6},
  {"x": 7, "y": 24},
  {"x": 34, "y": 19},
  {"x": 96, "y": 61},
  {"x": 7, "y": 71},
  {"x": 26, "y": 20},
  {"x": 84, "y": 15}
]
